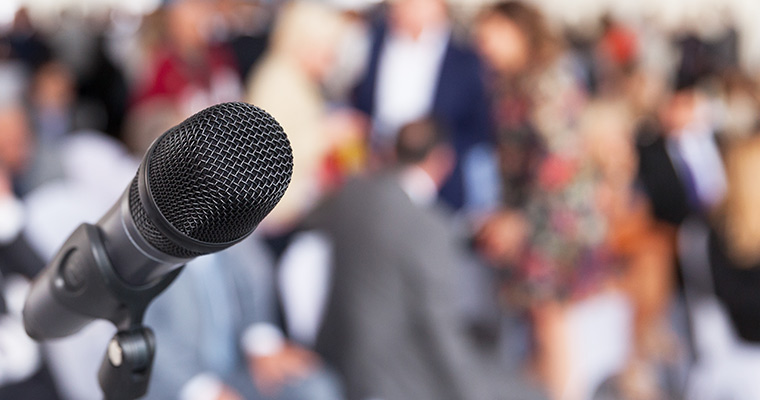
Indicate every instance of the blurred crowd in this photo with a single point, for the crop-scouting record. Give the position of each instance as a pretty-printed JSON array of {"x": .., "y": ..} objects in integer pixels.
[{"x": 486, "y": 205}]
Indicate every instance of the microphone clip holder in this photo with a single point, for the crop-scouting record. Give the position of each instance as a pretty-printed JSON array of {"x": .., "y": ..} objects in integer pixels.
[
  {"x": 83, "y": 271},
  {"x": 127, "y": 365}
]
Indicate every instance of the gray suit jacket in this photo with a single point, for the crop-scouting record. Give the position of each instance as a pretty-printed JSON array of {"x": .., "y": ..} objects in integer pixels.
[{"x": 392, "y": 326}]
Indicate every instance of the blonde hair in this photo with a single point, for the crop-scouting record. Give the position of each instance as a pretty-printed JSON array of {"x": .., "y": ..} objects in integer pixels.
[
  {"x": 302, "y": 24},
  {"x": 606, "y": 129},
  {"x": 740, "y": 211}
]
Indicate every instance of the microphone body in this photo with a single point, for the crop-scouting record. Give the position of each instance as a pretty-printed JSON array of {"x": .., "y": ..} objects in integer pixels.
[
  {"x": 203, "y": 186},
  {"x": 135, "y": 259}
]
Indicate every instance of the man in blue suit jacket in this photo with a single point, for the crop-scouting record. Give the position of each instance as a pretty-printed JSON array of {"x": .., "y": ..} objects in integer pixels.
[
  {"x": 217, "y": 339},
  {"x": 417, "y": 69}
]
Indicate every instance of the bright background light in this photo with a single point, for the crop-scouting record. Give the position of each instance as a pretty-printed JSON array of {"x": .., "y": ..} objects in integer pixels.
[
  {"x": 46, "y": 8},
  {"x": 706, "y": 16}
]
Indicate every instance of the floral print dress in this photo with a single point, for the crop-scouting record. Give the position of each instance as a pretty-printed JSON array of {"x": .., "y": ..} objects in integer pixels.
[{"x": 553, "y": 184}]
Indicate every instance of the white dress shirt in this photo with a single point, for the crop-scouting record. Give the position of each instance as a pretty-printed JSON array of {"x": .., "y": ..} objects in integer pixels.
[
  {"x": 407, "y": 80},
  {"x": 697, "y": 149},
  {"x": 419, "y": 186}
]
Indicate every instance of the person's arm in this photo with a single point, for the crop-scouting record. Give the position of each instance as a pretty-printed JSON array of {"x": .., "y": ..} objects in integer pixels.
[
  {"x": 273, "y": 361},
  {"x": 207, "y": 387},
  {"x": 478, "y": 161},
  {"x": 16, "y": 256}
]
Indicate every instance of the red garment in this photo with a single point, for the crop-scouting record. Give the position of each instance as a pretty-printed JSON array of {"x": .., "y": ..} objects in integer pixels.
[
  {"x": 209, "y": 78},
  {"x": 620, "y": 44}
]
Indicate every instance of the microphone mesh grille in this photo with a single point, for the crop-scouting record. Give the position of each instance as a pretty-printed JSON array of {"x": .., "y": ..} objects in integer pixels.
[
  {"x": 215, "y": 176},
  {"x": 149, "y": 231}
]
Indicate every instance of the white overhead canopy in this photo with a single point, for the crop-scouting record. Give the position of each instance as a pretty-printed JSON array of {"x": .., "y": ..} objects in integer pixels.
[
  {"x": 705, "y": 15},
  {"x": 8, "y": 7}
]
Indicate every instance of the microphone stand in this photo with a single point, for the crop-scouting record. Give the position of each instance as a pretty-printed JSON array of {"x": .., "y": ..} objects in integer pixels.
[{"x": 125, "y": 371}]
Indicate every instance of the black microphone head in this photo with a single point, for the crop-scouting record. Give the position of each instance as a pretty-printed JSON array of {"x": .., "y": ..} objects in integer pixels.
[{"x": 206, "y": 183}]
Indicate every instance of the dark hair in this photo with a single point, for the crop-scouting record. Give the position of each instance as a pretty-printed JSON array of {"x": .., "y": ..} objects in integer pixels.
[
  {"x": 417, "y": 139},
  {"x": 530, "y": 20}
]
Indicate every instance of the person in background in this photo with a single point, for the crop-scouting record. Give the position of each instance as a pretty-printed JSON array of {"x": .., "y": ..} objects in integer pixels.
[
  {"x": 52, "y": 99},
  {"x": 186, "y": 71},
  {"x": 682, "y": 176},
  {"x": 579, "y": 308},
  {"x": 736, "y": 105},
  {"x": 552, "y": 234},
  {"x": 27, "y": 43},
  {"x": 81, "y": 42},
  {"x": 392, "y": 324},
  {"x": 103, "y": 92},
  {"x": 636, "y": 241},
  {"x": 287, "y": 83},
  {"x": 245, "y": 29},
  {"x": 20, "y": 153},
  {"x": 217, "y": 338},
  {"x": 536, "y": 97},
  {"x": 22, "y": 372},
  {"x": 681, "y": 170},
  {"x": 616, "y": 56},
  {"x": 733, "y": 264},
  {"x": 16, "y": 149},
  {"x": 418, "y": 68}
]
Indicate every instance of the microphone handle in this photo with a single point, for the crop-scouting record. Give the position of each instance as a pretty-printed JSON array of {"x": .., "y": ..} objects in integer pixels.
[{"x": 135, "y": 260}]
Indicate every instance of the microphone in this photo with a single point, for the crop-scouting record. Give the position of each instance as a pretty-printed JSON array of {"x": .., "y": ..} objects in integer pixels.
[{"x": 203, "y": 186}]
